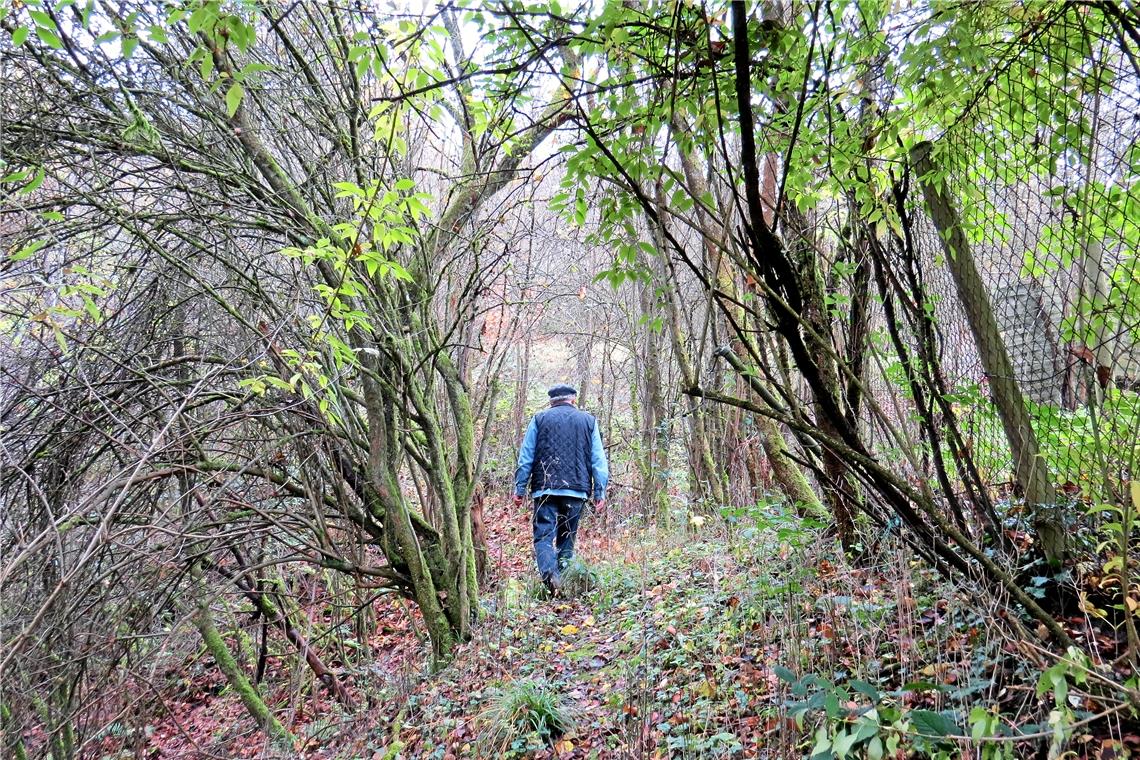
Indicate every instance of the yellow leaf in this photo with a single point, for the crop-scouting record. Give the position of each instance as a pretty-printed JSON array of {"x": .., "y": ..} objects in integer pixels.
[
  {"x": 564, "y": 746},
  {"x": 569, "y": 630},
  {"x": 589, "y": 621}
]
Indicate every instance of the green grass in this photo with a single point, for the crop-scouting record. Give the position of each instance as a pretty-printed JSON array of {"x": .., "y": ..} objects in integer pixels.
[
  {"x": 524, "y": 715},
  {"x": 578, "y": 579}
]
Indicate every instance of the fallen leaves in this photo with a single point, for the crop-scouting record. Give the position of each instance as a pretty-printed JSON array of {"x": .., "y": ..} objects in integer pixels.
[{"x": 655, "y": 661}]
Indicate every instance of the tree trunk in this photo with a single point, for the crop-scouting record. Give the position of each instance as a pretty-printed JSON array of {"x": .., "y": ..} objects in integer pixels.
[
  {"x": 654, "y": 459},
  {"x": 479, "y": 533},
  {"x": 838, "y": 491},
  {"x": 785, "y": 471},
  {"x": 216, "y": 646}
]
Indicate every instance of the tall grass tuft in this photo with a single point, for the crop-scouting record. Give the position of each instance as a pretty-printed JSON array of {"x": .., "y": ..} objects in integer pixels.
[{"x": 524, "y": 715}]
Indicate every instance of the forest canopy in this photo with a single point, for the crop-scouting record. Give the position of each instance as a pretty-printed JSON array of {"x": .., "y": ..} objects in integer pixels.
[{"x": 851, "y": 288}]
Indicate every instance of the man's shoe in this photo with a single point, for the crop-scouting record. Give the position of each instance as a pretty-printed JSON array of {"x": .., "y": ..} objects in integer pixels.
[{"x": 553, "y": 584}]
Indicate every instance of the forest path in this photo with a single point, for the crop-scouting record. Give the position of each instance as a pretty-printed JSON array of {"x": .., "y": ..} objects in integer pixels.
[
  {"x": 659, "y": 647},
  {"x": 644, "y": 650}
]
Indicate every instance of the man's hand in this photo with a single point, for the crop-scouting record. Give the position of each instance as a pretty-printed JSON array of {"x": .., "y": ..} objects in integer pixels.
[
  {"x": 518, "y": 500},
  {"x": 599, "y": 505}
]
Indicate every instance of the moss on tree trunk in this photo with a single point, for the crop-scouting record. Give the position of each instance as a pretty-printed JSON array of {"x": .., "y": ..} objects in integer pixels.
[{"x": 216, "y": 646}]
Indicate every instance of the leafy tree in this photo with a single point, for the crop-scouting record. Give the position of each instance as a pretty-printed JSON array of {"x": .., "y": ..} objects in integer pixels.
[{"x": 242, "y": 260}]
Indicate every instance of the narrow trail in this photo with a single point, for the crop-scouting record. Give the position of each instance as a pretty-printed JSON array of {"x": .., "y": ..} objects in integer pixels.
[
  {"x": 654, "y": 650},
  {"x": 635, "y": 648},
  {"x": 664, "y": 646}
]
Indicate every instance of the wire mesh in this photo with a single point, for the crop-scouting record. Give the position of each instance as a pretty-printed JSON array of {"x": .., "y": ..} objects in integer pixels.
[{"x": 1042, "y": 169}]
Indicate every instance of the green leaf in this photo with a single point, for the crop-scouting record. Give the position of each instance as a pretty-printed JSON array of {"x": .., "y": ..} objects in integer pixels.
[
  {"x": 92, "y": 309},
  {"x": 867, "y": 726},
  {"x": 842, "y": 744},
  {"x": 866, "y": 689},
  {"x": 233, "y": 98},
  {"x": 206, "y": 67},
  {"x": 922, "y": 686},
  {"x": 17, "y": 176},
  {"x": 129, "y": 46},
  {"x": 348, "y": 190},
  {"x": 49, "y": 38},
  {"x": 930, "y": 723},
  {"x": 242, "y": 34},
  {"x": 397, "y": 271},
  {"x": 253, "y": 68},
  {"x": 784, "y": 674},
  {"x": 28, "y": 250},
  {"x": 204, "y": 18},
  {"x": 19, "y": 35},
  {"x": 42, "y": 19},
  {"x": 61, "y": 341},
  {"x": 34, "y": 185},
  {"x": 822, "y": 746}
]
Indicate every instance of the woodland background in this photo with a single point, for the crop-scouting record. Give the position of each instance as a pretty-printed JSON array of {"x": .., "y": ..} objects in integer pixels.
[{"x": 852, "y": 289}]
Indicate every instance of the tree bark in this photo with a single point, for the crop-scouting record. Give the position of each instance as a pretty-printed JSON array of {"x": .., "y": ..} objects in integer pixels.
[{"x": 216, "y": 646}]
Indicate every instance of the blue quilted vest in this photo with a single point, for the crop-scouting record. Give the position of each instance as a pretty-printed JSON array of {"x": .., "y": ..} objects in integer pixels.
[{"x": 564, "y": 438}]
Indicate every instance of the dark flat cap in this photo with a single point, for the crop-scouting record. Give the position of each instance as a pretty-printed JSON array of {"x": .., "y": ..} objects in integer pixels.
[{"x": 561, "y": 391}]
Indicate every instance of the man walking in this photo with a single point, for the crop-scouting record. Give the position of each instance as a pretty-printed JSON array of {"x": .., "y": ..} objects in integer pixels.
[{"x": 562, "y": 461}]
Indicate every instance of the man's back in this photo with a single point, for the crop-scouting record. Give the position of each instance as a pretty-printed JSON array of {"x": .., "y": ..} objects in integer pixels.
[{"x": 563, "y": 440}]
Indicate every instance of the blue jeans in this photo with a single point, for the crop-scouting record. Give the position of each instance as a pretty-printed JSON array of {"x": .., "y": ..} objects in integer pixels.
[{"x": 555, "y": 526}]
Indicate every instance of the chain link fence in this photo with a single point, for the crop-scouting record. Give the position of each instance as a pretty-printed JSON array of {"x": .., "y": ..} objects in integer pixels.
[{"x": 1040, "y": 175}]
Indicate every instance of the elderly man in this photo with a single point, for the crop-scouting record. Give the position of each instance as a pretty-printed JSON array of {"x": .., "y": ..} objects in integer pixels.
[{"x": 562, "y": 462}]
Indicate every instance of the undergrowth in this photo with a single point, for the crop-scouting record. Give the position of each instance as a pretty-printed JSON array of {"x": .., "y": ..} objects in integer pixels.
[
  {"x": 523, "y": 716},
  {"x": 752, "y": 640}
]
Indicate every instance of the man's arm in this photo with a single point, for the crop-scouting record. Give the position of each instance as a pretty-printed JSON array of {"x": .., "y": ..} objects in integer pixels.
[
  {"x": 526, "y": 461},
  {"x": 599, "y": 466}
]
